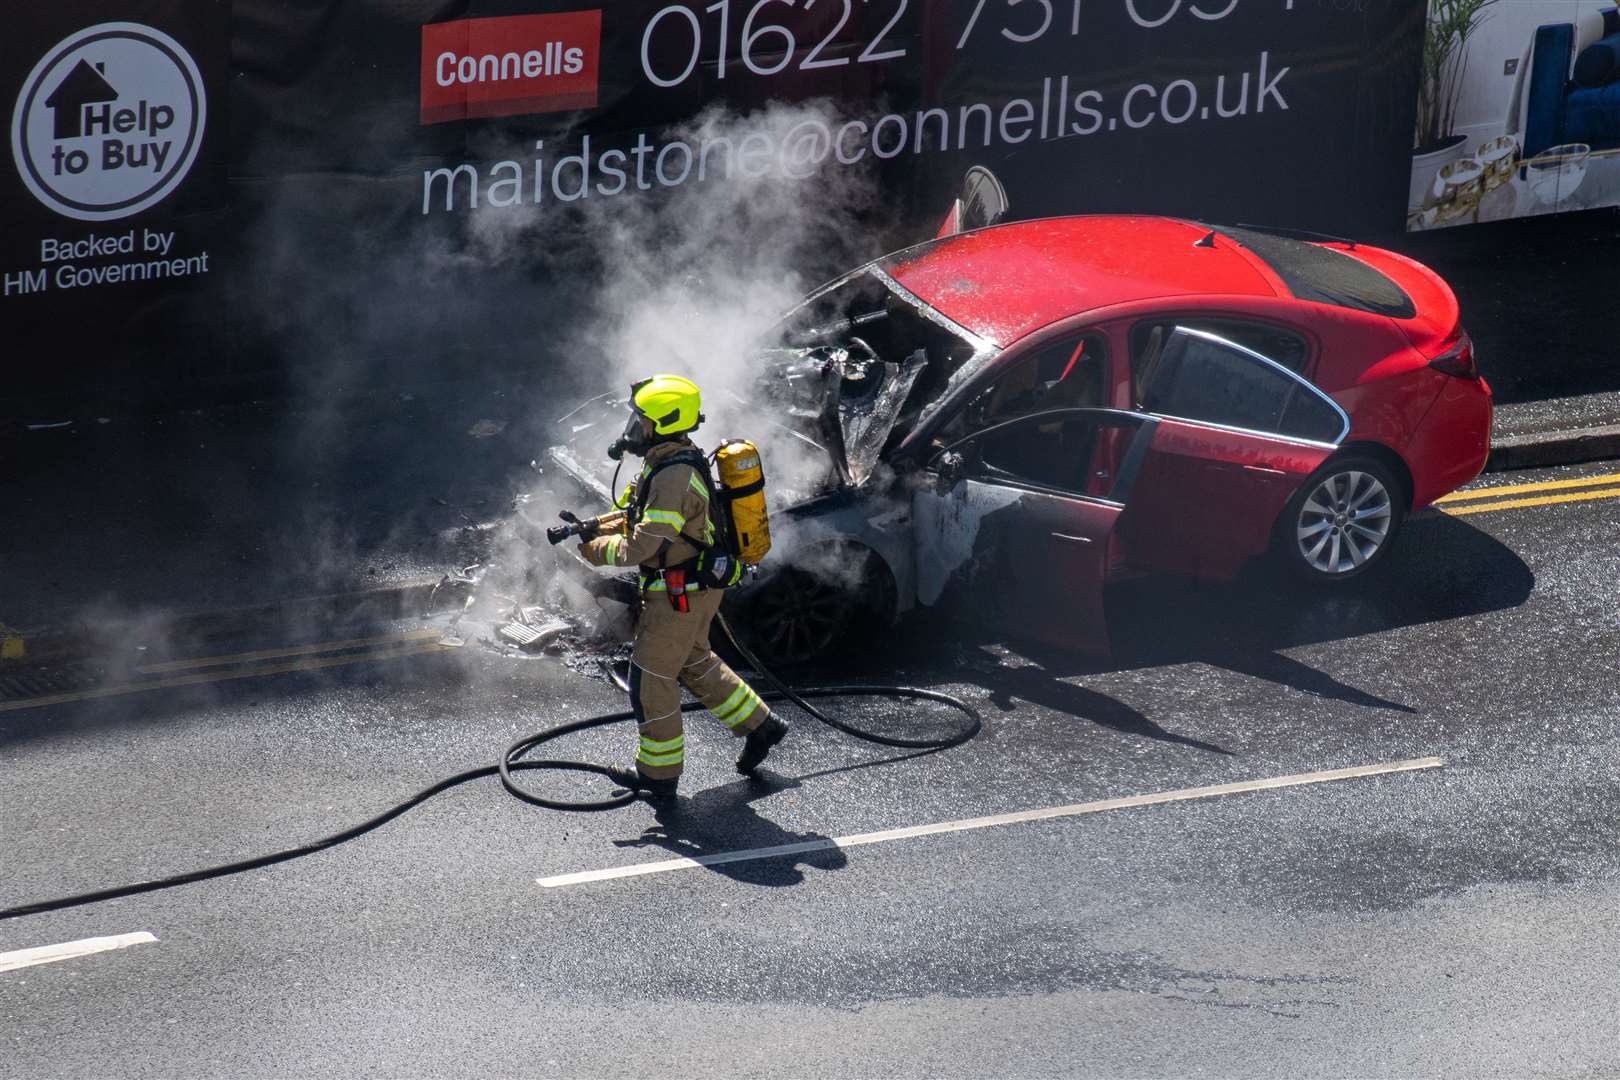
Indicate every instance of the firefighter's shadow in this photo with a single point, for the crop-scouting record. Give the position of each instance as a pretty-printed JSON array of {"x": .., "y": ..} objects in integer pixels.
[{"x": 721, "y": 821}]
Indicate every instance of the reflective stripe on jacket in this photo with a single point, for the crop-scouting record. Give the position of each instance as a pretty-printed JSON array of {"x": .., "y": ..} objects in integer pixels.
[{"x": 675, "y": 524}]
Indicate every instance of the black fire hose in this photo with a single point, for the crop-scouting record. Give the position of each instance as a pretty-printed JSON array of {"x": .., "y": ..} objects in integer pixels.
[
  {"x": 514, "y": 761},
  {"x": 798, "y": 698}
]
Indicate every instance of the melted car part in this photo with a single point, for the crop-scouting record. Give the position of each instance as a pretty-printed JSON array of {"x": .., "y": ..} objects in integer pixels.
[
  {"x": 521, "y": 636},
  {"x": 532, "y": 638},
  {"x": 947, "y": 529},
  {"x": 848, "y": 393},
  {"x": 794, "y": 382},
  {"x": 869, "y": 403},
  {"x": 865, "y": 311},
  {"x": 828, "y": 379},
  {"x": 856, "y": 300}
]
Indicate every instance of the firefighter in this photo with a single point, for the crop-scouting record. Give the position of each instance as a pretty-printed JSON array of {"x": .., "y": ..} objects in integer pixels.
[{"x": 670, "y": 535}]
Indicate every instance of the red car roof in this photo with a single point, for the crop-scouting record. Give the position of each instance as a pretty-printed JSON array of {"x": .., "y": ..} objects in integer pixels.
[{"x": 1005, "y": 281}]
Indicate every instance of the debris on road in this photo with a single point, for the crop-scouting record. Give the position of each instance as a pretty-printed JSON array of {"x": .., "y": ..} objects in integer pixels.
[{"x": 533, "y": 639}]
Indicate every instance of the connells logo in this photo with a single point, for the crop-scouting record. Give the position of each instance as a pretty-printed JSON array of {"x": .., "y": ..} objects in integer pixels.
[
  {"x": 510, "y": 65},
  {"x": 109, "y": 122}
]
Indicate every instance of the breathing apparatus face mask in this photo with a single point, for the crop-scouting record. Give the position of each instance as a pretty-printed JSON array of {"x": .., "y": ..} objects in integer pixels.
[{"x": 635, "y": 438}]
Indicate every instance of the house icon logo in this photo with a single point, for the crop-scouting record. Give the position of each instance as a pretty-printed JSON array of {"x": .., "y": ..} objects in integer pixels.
[
  {"x": 109, "y": 122},
  {"x": 85, "y": 85}
]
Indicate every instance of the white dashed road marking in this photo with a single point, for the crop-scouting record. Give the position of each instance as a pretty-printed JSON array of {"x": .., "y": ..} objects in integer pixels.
[
  {"x": 966, "y": 824},
  {"x": 68, "y": 950}
]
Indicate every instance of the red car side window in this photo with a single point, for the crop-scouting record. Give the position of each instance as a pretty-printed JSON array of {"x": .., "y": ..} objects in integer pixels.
[
  {"x": 1200, "y": 379},
  {"x": 1287, "y": 348},
  {"x": 1198, "y": 376}
]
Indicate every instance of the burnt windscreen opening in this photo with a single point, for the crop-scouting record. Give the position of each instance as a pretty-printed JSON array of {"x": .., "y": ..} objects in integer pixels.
[
  {"x": 859, "y": 363},
  {"x": 862, "y": 306},
  {"x": 866, "y": 320},
  {"x": 1323, "y": 275}
]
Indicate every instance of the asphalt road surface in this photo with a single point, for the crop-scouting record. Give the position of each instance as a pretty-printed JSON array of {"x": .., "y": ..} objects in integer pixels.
[{"x": 1453, "y": 919}]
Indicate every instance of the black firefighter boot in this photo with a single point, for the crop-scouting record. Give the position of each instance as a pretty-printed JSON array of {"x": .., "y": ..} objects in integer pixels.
[
  {"x": 656, "y": 791},
  {"x": 758, "y": 743}
]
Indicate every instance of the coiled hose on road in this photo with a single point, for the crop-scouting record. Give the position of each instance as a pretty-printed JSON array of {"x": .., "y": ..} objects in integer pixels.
[{"x": 515, "y": 760}]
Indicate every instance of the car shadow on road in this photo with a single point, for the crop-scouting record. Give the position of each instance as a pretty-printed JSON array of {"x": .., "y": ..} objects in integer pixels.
[
  {"x": 1442, "y": 569},
  {"x": 721, "y": 820}
]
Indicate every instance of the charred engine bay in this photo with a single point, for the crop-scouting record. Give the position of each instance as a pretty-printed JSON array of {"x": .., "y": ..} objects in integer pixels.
[{"x": 826, "y": 393}]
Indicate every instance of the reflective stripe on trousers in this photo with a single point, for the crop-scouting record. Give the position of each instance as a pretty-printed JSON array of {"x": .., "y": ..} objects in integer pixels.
[{"x": 671, "y": 651}]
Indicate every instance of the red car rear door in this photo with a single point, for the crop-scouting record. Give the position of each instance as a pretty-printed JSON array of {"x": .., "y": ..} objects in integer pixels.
[
  {"x": 1236, "y": 436},
  {"x": 1012, "y": 535}
]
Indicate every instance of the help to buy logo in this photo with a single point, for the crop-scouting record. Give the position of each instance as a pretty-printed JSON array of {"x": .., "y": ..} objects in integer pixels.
[
  {"x": 508, "y": 66},
  {"x": 109, "y": 122}
]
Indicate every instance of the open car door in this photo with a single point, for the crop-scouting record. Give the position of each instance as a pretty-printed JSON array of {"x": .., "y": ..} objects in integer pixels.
[
  {"x": 1013, "y": 533},
  {"x": 982, "y": 202},
  {"x": 1235, "y": 436}
]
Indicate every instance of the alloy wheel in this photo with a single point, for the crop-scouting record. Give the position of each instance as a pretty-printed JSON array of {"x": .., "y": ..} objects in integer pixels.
[
  {"x": 1344, "y": 523},
  {"x": 799, "y": 616}
]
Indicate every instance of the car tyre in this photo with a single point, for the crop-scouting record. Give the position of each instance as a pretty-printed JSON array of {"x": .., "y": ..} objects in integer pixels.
[
  {"x": 793, "y": 616},
  {"x": 1342, "y": 521}
]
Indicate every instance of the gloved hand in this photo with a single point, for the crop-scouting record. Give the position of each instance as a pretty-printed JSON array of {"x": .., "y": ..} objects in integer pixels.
[{"x": 599, "y": 551}]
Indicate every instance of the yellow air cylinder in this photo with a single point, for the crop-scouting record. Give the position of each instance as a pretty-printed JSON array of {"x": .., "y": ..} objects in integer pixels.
[{"x": 743, "y": 481}]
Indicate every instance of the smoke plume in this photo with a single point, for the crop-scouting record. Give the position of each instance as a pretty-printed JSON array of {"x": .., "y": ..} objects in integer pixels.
[{"x": 687, "y": 281}]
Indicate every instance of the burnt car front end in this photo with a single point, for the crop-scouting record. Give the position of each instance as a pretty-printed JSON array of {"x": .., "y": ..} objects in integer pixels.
[{"x": 827, "y": 394}]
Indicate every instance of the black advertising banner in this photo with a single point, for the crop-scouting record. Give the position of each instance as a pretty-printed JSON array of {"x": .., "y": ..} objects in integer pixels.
[
  {"x": 204, "y": 189},
  {"x": 114, "y": 206},
  {"x": 1287, "y": 111}
]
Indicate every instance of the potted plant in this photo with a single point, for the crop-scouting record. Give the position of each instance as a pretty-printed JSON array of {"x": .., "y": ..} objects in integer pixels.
[{"x": 1445, "y": 62}]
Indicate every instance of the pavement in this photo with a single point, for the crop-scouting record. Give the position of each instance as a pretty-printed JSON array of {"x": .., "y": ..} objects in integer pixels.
[
  {"x": 1454, "y": 921},
  {"x": 1556, "y": 431}
]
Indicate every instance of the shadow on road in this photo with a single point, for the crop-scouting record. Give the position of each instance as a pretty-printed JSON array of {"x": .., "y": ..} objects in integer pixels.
[
  {"x": 1441, "y": 569},
  {"x": 723, "y": 819},
  {"x": 1039, "y": 686}
]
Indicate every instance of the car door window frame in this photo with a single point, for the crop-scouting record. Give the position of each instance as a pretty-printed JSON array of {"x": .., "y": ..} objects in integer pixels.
[
  {"x": 1178, "y": 320},
  {"x": 1300, "y": 383},
  {"x": 1124, "y": 478},
  {"x": 1096, "y": 360},
  {"x": 920, "y": 444}
]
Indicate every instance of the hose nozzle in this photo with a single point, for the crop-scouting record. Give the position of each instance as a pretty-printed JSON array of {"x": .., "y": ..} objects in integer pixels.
[{"x": 573, "y": 527}]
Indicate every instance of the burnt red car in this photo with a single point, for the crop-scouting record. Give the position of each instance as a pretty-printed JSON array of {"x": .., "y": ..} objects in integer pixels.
[{"x": 1009, "y": 418}]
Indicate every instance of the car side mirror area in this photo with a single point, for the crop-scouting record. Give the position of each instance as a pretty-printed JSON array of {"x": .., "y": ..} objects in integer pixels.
[
  {"x": 950, "y": 466},
  {"x": 977, "y": 410}
]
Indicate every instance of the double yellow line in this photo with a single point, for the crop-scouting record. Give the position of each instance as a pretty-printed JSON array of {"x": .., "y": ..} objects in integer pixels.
[
  {"x": 248, "y": 666},
  {"x": 1484, "y": 500}
]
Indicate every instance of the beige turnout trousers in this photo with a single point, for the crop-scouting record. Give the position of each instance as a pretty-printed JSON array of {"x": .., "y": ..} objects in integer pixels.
[{"x": 671, "y": 651}]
